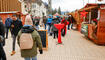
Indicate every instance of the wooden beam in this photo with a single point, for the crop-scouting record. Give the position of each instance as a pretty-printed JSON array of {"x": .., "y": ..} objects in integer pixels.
[{"x": 0, "y": 5}]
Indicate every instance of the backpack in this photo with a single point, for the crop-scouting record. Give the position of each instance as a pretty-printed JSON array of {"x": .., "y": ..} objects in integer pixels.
[
  {"x": 8, "y": 22},
  {"x": 26, "y": 41}
]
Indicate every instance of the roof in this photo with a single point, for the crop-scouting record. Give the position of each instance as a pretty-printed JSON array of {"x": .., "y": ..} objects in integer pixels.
[
  {"x": 88, "y": 8},
  {"x": 89, "y": 5},
  {"x": 9, "y": 12}
]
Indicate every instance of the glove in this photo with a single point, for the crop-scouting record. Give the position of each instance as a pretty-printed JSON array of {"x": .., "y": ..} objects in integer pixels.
[{"x": 41, "y": 51}]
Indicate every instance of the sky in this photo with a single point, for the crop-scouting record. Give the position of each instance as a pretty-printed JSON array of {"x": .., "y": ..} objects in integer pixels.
[{"x": 70, "y": 5}]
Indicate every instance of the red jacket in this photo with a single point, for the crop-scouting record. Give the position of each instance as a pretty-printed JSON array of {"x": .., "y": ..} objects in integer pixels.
[{"x": 64, "y": 22}]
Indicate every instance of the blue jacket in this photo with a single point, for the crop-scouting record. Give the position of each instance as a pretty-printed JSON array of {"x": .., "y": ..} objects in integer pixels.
[
  {"x": 49, "y": 20},
  {"x": 8, "y": 22}
]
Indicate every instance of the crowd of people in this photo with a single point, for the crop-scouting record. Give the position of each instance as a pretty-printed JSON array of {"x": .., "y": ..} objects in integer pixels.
[
  {"x": 51, "y": 20},
  {"x": 15, "y": 26}
]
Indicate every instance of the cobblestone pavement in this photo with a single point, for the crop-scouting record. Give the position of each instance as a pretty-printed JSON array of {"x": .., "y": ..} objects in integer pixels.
[{"x": 75, "y": 47}]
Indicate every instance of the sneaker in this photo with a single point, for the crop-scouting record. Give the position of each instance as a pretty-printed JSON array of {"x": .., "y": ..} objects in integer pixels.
[{"x": 13, "y": 52}]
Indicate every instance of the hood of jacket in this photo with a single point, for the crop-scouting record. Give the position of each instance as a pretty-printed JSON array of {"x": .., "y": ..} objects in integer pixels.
[
  {"x": 28, "y": 20},
  {"x": 27, "y": 29}
]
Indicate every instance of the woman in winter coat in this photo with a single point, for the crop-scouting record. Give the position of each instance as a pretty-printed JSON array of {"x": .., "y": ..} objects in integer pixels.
[
  {"x": 30, "y": 54},
  {"x": 54, "y": 29}
]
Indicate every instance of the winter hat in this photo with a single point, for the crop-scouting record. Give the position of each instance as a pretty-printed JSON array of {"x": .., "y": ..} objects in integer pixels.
[{"x": 28, "y": 20}]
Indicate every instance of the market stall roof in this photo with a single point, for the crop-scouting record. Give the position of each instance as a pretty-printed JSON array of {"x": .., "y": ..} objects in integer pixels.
[
  {"x": 88, "y": 8},
  {"x": 90, "y": 4}
]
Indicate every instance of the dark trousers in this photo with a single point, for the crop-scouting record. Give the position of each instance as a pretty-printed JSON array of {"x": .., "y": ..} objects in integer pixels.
[
  {"x": 14, "y": 42},
  {"x": 55, "y": 34},
  {"x": 45, "y": 26},
  {"x": 63, "y": 32},
  {"x": 69, "y": 27},
  {"x": 2, "y": 53},
  {"x": 7, "y": 29}
]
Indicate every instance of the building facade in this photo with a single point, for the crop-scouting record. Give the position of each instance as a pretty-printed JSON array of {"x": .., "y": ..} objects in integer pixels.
[{"x": 37, "y": 8}]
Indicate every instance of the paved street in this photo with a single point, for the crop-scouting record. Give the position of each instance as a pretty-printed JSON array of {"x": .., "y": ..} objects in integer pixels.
[{"x": 75, "y": 47}]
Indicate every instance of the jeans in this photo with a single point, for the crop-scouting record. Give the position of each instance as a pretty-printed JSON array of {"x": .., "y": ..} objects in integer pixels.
[
  {"x": 45, "y": 26},
  {"x": 14, "y": 42},
  {"x": 49, "y": 26},
  {"x": 33, "y": 58},
  {"x": 69, "y": 27}
]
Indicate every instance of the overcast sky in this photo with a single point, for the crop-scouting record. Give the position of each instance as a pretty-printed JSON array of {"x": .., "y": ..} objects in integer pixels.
[{"x": 70, "y": 5}]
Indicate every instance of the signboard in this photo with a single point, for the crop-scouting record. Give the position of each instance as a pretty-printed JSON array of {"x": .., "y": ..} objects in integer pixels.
[{"x": 44, "y": 38}]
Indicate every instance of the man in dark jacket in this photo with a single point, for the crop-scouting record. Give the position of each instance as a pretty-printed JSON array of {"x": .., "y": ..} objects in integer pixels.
[
  {"x": 16, "y": 25},
  {"x": 2, "y": 43},
  {"x": 8, "y": 25}
]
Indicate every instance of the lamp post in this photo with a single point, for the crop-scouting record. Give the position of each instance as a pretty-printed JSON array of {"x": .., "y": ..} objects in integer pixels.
[{"x": 50, "y": 6}]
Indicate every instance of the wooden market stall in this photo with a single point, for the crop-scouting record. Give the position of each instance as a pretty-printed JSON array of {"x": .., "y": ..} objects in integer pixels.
[
  {"x": 4, "y": 15},
  {"x": 94, "y": 13}
]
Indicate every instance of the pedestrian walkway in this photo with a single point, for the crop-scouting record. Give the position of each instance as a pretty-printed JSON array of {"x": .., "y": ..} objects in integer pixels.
[{"x": 75, "y": 47}]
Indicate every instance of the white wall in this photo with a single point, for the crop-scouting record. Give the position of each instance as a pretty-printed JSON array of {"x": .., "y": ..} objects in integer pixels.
[{"x": 38, "y": 10}]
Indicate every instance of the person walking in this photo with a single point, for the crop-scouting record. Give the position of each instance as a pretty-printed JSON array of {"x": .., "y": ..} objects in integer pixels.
[
  {"x": 64, "y": 21},
  {"x": 70, "y": 21},
  {"x": 2, "y": 40},
  {"x": 16, "y": 25},
  {"x": 29, "y": 54},
  {"x": 49, "y": 21},
  {"x": 36, "y": 21},
  {"x": 54, "y": 29},
  {"x": 8, "y": 25},
  {"x": 45, "y": 21}
]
